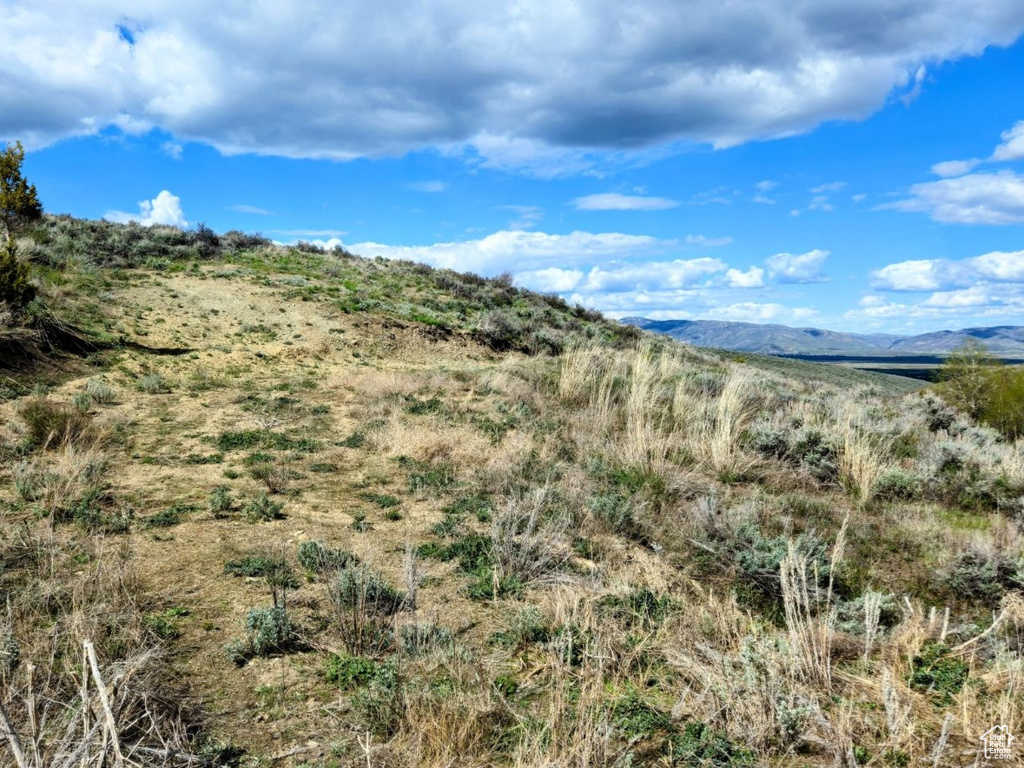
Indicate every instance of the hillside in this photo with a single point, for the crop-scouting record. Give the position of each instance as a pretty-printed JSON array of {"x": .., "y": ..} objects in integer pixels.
[
  {"x": 319, "y": 510},
  {"x": 783, "y": 340}
]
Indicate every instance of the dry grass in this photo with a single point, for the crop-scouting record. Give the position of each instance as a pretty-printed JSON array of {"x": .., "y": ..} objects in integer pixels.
[{"x": 656, "y": 607}]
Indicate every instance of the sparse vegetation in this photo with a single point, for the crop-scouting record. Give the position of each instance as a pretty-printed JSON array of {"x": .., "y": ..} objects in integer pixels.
[{"x": 517, "y": 534}]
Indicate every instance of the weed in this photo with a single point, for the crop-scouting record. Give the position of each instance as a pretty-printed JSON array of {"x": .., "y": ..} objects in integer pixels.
[
  {"x": 382, "y": 500},
  {"x": 171, "y": 516},
  {"x": 220, "y": 501},
  {"x": 317, "y": 557},
  {"x": 349, "y": 672},
  {"x": 263, "y": 509},
  {"x": 935, "y": 672}
]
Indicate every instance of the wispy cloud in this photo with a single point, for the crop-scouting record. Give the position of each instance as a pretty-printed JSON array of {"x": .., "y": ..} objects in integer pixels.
[
  {"x": 528, "y": 216},
  {"x": 242, "y": 208},
  {"x": 309, "y": 232},
  {"x": 432, "y": 187},
  {"x": 612, "y": 201},
  {"x": 706, "y": 242}
]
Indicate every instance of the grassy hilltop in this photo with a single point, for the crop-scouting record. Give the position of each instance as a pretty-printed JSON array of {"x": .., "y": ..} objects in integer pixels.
[{"x": 313, "y": 509}]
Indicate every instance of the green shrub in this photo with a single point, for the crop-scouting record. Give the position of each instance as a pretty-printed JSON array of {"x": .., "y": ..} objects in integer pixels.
[
  {"x": 700, "y": 745},
  {"x": 275, "y": 570},
  {"x": 16, "y": 290},
  {"x": 381, "y": 704},
  {"x": 221, "y": 501},
  {"x": 168, "y": 517},
  {"x": 100, "y": 391},
  {"x": 613, "y": 512},
  {"x": 527, "y": 627},
  {"x": 263, "y": 509},
  {"x": 360, "y": 588},
  {"x": 638, "y": 719},
  {"x": 349, "y": 672},
  {"x": 317, "y": 557},
  {"x": 937, "y": 673},
  {"x": 269, "y": 630},
  {"x": 982, "y": 578},
  {"x": 897, "y": 484},
  {"x": 153, "y": 384},
  {"x": 382, "y": 500},
  {"x": 501, "y": 330}
]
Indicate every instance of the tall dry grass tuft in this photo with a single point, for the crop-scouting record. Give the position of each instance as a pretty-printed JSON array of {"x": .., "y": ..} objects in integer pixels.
[
  {"x": 644, "y": 442},
  {"x": 810, "y": 616},
  {"x": 580, "y": 367},
  {"x": 717, "y": 439},
  {"x": 529, "y": 540},
  {"x": 54, "y": 480},
  {"x": 863, "y": 454}
]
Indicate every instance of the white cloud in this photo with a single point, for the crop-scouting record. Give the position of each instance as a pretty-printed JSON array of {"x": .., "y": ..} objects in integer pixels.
[
  {"x": 432, "y": 187},
  {"x": 986, "y": 304},
  {"x": 820, "y": 203},
  {"x": 754, "y": 312},
  {"x": 309, "y": 232},
  {"x": 165, "y": 208},
  {"x": 954, "y": 167},
  {"x": 763, "y": 199},
  {"x": 521, "y": 251},
  {"x": 612, "y": 201},
  {"x": 859, "y": 198},
  {"x": 1012, "y": 147},
  {"x": 798, "y": 268},
  {"x": 651, "y": 276},
  {"x": 766, "y": 185},
  {"x": 752, "y": 278},
  {"x": 707, "y": 242},
  {"x": 173, "y": 149},
  {"x": 552, "y": 279},
  {"x": 978, "y": 198},
  {"x": 532, "y": 85},
  {"x": 824, "y": 189},
  {"x": 528, "y": 216},
  {"x": 946, "y": 275},
  {"x": 250, "y": 209},
  {"x": 917, "y": 275}
]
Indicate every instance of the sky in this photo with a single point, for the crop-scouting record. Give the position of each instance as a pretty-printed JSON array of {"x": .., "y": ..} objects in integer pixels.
[{"x": 852, "y": 166}]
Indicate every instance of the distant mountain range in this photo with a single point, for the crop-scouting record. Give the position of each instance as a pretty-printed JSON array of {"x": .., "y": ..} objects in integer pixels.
[{"x": 1006, "y": 340}]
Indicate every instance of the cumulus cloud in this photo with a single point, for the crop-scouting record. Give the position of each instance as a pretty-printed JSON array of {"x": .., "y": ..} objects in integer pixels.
[
  {"x": 945, "y": 275},
  {"x": 531, "y": 85},
  {"x": 752, "y": 278},
  {"x": 798, "y": 267},
  {"x": 612, "y": 201},
  {"x": 519, "y": 250},
  {"x": 1012, "y": 147},
  {"x": 977, "y": 198},
  {"x": 165, "y": 208},
  {"x": 976, "y": 305}
]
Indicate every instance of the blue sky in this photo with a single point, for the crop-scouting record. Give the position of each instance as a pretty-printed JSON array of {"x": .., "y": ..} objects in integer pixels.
[{"x": 849, "y": 166}]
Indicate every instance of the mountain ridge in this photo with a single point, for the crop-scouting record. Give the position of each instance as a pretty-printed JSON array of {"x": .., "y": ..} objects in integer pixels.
[{"x": 777, "y": 339}]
